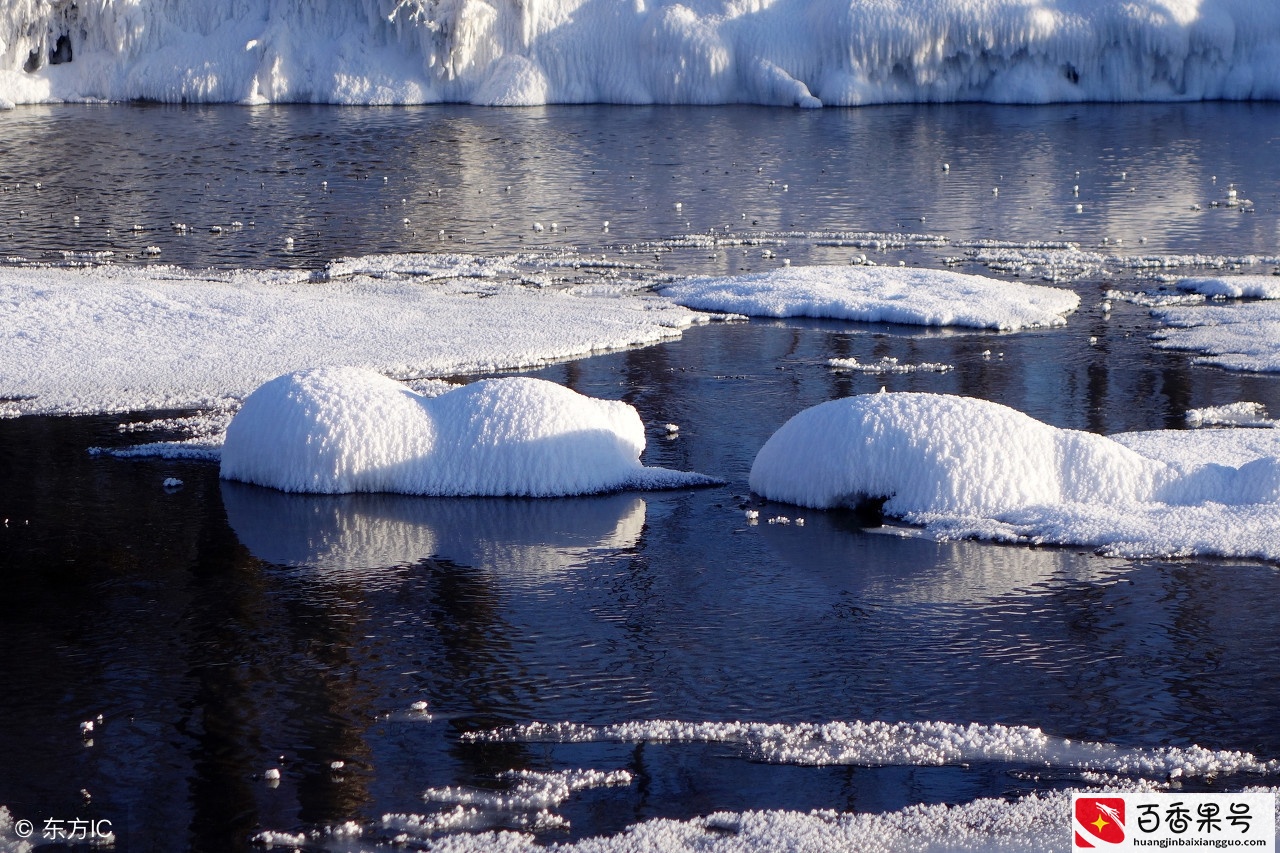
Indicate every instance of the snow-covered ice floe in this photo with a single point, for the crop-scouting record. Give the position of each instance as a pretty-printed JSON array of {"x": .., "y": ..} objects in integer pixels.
[
  {"x": 965, "y": 467},
  {"x": 1244, "y": 337},
  {"x": 919, "y": 744},
  {"x": 880, "y": 295},
  {"x": 341, "y": 429},
  {"x": 164, "y": 338},
  {"x": 1033, "y": 822},
  {"x": 1234, "y": 286},
  {"x": 790, "y": 52}
]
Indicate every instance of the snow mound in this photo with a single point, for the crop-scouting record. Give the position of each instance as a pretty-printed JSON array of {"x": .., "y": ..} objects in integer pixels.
[
  {"x": 341, "y": 429},
  {"x": 788, "y": 52},
  {"x": 880, "y": 295},
  {"x": 967, "y": 467}
]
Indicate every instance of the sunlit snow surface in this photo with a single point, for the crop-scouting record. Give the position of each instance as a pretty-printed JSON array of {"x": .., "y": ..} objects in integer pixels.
[
  {"x": 791, "y": 52},
  {"x": 341, "y": 429},
  {"x": 881, "y": 295},
  {"x": 968, "y": 467},
  {"x": 168, "y": 338}
]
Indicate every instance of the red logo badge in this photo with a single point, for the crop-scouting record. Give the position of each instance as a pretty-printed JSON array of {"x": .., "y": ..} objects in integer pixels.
[{"x": 1098, "y": 819}]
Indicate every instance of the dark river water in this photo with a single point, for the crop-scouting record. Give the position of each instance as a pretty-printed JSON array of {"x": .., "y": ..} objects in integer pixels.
[{"x": 223, "y": 629}]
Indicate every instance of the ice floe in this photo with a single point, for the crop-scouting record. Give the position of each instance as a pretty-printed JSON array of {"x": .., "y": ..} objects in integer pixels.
[
  {"x": 875, "y": 744},
  {"x": 1242, "y": 414},
  {"x": 1235, "y": 286},
  {"x": 1244, "y": 337},
  {"x": 165, "y": 338},
  {"x": 788, "y": 52},
  {"x": 341, "y": 429},
  {"x": 887, "y": 364},
  {"x": 880, "y": 295},
  {"x": 966, "y": 467}
]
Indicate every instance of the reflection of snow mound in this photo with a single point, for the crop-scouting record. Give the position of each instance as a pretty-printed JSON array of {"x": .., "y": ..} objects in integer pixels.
[
  {"x": 880, "y": 295},
  {"x": 342, "y": 536},
  {"x": 338, "y": 430},
  {"x": 969, "y": 467},
  {"x": 875, "y": 744}
]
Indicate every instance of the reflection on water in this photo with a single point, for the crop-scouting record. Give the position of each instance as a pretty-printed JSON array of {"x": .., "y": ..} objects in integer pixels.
[
  {"x": 341, "y": 181},
  {"x": 221, "y": 627},
  {"x": 370, "y": 539}
]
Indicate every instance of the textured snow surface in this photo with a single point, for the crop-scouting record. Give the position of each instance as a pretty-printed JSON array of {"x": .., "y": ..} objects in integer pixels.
[
  {"x": 336, "y": 430},
  {"x": 801, "y": 52},
  {"x": 875, "y": 744},
  {"x": 1243, "y": 337},
  {"x": 167, "y": 338},
  {"x": 968, "y": 467},
  {"x": 1235, "y": 286},
  {"x": 880, "y": 295}
]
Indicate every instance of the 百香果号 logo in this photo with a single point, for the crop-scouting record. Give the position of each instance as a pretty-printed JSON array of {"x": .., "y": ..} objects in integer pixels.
[{"x": 1099, "y": 821}]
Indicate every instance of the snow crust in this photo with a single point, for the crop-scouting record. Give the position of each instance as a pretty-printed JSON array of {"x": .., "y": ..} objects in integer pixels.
[
  {"x": 789, "y": 52},
  {"x": 1235, "y": 286},
  {"x": 1243, "y": 337},
  {"x": 971, "y": 468},
  {"x": 337, "y": 430},
  {"x": 165, "y": 338},
  {"x": 880, "y": 295}
]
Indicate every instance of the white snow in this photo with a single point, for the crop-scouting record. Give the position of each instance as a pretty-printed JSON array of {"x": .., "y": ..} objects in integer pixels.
[
  {"x": 1244, "y": 337},
  {"x": 1235, "y": 286},
  {"x": 966, "y": 467},
  {"x": 1243, "y": 414},
  {"x": 920, "y": 744},
  {"x": 790, "y": 52},
  {"x": 880, "y": 295},
  {"x": 887, "y": 364},
  {"x": 341, "y": 429},
  {"x": 163, "y": 338}
]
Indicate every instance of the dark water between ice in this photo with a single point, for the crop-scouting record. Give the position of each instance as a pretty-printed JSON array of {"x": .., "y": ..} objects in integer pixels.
[{"x": 222, "y": 629}]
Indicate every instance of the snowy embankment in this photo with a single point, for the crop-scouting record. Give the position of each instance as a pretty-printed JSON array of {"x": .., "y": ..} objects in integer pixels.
[
  {"x": 801, "y": 52},
  {"x": 165, "y": 338},
  {"x": 340, "y": 429},
  {"x": 968, "y": 467},
  {"x": 881, "y": 295}
]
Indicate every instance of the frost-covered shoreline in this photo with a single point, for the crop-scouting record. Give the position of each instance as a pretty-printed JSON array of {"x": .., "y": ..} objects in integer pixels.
[{"x": 499, "y": 52}]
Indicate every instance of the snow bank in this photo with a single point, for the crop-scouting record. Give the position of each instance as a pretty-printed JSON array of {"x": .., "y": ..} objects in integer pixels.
[
  {"x": 341, "y": 429},
  {"x": 1242, "y": 337},
  {"x": 792, "y": 52},
  {"x": 880, "y": 295},
  {"x": 966, "y": 467},
  {"x": 163, "y": 338}
]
